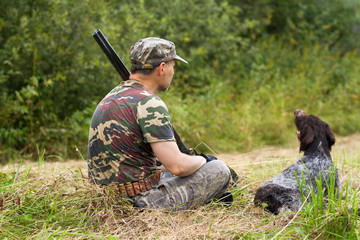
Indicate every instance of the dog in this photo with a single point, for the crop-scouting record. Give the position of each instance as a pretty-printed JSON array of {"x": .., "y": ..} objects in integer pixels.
[{"x": 282, "y": 192}]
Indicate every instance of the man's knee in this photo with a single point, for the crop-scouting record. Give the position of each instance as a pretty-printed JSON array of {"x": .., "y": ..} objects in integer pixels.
[{"x": 222, "y": 171}]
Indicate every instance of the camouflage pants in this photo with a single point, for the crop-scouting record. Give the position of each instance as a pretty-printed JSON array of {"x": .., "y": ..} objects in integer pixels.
[{"x": 180, "y": 193}]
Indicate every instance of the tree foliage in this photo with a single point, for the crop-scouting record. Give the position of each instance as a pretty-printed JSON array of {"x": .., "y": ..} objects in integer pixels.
[{"x": 52, "y": 73}]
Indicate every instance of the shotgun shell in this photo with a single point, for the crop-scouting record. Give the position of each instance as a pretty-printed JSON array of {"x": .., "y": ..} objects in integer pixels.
[
  {"x": 122, "y": 189},
  {"x": 136, "y": 188},
  {"x": 147, "y": 183},
  {"x": 142, "y": 185},
  {"x": 129, "y": 189}
]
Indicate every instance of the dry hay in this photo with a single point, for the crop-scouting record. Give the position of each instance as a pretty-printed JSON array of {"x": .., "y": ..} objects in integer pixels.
[{"x": 110, "y": 215}]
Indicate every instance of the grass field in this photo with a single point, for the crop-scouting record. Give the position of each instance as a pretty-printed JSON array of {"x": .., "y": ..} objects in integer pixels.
[{"x": 53, "y": 200}]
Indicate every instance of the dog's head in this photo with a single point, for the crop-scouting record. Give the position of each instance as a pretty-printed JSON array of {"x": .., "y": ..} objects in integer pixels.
[{"x": 310, "y": 128}]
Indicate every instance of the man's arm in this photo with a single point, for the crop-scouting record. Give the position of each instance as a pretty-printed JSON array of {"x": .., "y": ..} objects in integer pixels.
[{"x": 176, "y": 162}]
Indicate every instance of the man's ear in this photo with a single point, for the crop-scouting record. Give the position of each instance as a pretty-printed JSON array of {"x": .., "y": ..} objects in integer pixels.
[{"x": 160, "y": 68}]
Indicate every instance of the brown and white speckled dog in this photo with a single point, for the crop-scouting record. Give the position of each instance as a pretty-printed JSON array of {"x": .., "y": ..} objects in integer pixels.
[{"x": 282, "y": 192}]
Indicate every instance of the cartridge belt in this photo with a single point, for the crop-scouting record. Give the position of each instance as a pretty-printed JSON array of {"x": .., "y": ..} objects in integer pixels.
[{"x": 130, "y": 189}]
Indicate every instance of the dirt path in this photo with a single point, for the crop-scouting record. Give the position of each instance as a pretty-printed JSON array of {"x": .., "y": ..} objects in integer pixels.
[
  {"x": 246, "y": 161},
  {"x": 242, "y": 162}
]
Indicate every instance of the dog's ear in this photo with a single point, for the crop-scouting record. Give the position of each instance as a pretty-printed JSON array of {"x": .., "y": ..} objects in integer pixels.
[
  {"x": 307, "y": 135},
  {"x": 329, "y": 136}
]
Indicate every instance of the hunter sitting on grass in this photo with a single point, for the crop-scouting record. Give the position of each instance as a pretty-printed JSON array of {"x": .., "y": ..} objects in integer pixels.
[{"x": 131, "y": 129}]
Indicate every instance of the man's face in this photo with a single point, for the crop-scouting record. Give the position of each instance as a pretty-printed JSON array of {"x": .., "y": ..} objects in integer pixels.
[{"x": 169, "y": 70}]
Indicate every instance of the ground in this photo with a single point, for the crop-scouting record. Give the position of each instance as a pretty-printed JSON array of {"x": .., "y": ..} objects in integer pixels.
[
  {"x": 242, "y": 220},
  {"x": 238, "y": 161}
]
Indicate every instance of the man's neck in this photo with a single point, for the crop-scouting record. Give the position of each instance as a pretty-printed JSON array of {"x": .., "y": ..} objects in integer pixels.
[{"x": 146, "y": 81}]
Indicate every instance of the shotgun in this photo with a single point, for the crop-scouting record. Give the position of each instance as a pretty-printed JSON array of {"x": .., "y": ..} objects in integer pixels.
[{"x": 125, "y": 74}]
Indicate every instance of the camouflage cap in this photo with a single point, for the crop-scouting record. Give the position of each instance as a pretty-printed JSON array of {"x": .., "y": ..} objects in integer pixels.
[{"x": 148, "y": 53}]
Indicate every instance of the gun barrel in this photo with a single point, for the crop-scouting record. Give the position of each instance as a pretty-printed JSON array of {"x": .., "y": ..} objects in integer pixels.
[{"x": 111, "y": 54}]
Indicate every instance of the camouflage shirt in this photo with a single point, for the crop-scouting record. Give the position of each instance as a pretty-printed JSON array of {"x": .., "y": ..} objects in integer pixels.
[{"x": 124, "y": 124}]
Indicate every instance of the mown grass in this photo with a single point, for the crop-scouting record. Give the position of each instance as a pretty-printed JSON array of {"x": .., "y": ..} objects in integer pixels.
[{"x": 53, "y": 200}]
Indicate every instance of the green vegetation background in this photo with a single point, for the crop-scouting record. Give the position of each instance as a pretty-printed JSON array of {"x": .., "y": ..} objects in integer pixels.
[{"x": 251, "y": 64}]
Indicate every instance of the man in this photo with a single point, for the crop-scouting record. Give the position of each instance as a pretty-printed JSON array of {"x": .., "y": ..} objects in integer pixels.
[{"x": 131, "y": 129}]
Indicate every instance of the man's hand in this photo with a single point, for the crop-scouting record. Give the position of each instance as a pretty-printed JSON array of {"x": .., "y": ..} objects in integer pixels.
[{"x": 208, "y": 158}]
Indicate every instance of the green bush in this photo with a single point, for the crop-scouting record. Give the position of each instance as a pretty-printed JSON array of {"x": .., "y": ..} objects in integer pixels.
[
  {"x": 250, "y": 64},
  {"x": 258, "y": 110}
]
